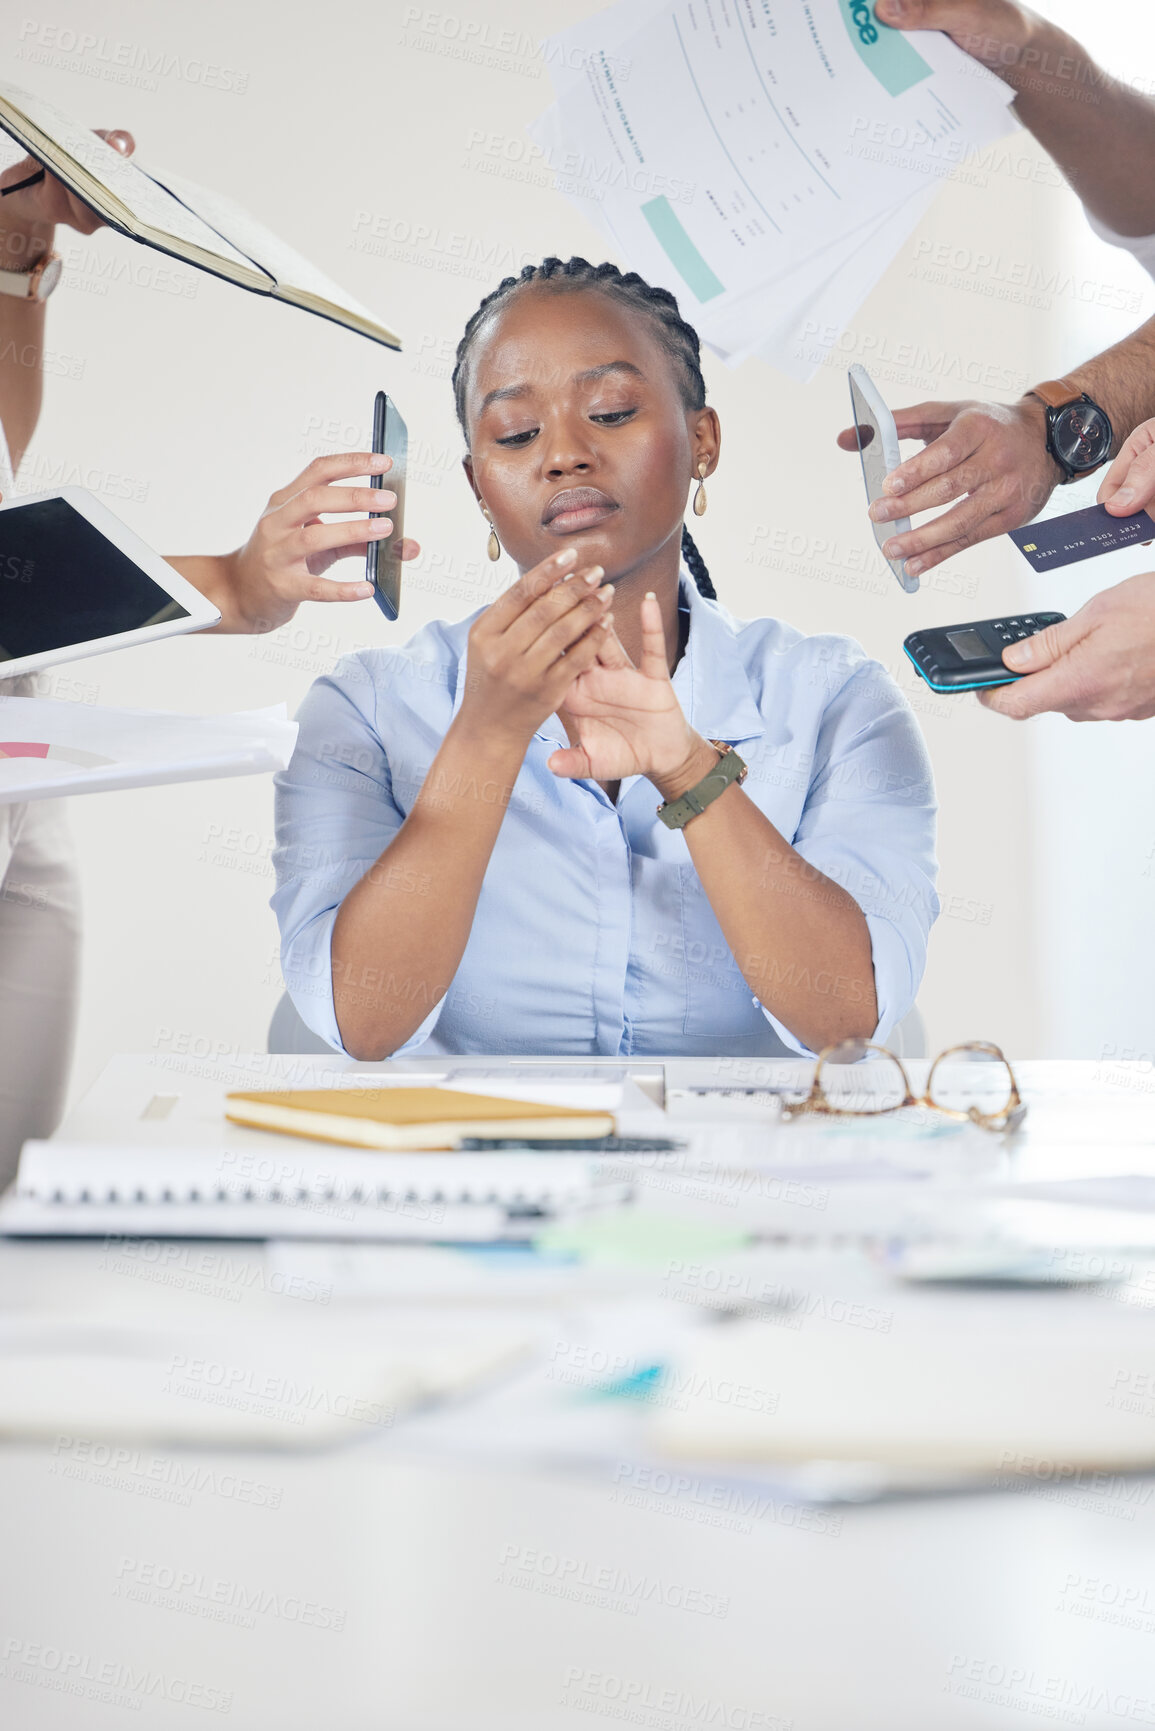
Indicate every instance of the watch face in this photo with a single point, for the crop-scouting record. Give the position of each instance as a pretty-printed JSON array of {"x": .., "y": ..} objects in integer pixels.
[
  {"x": 1081, "y": 435},
  {"x": 49, "y": 277}
]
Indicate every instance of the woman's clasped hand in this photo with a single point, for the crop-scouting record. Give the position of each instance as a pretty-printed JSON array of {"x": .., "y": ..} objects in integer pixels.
[
  {"x": 548, "y": 645},
  {"x": 528, "y": 648}
]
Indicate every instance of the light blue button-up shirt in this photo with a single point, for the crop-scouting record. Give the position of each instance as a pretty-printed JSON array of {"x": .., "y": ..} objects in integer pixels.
[{"x": 593, "y": 934}]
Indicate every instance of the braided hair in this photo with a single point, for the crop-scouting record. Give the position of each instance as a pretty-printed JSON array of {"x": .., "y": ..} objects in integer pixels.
[{"x": 676, "y": 337}]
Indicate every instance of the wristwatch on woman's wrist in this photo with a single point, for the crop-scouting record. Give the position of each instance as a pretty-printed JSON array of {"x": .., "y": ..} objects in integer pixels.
[
  {"x": 35, "y": 284},
  {"x": 1079, "y": 435},
  {"x": 730, "y": 770}
]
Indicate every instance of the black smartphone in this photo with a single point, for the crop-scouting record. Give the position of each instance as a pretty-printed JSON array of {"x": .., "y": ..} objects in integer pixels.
[
  {"x": 382, "y": 566},
  {"x": 970, "y": 657}
]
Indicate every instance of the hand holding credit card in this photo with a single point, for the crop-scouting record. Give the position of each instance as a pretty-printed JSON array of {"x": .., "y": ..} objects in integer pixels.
[{"x": 1080, "y": 535}]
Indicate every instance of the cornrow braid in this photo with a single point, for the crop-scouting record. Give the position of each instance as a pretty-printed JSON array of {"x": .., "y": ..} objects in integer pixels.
[{"x": 677, "y": 338}]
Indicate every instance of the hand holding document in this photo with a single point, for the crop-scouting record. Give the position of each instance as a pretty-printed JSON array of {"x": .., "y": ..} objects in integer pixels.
[
  {"x": 48, "y": 749},
  {"x": 762, "y": 163}
]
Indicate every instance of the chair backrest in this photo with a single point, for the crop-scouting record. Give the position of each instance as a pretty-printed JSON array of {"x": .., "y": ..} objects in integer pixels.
[
  {"x": 909, "y": 1038},
  {"x": 287, "y": 1032}
]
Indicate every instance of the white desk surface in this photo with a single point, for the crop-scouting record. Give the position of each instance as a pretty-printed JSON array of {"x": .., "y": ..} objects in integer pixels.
[{"x": 361, "y": 1589}]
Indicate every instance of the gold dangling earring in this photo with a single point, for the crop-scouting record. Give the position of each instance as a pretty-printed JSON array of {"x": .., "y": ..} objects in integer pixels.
[
  {"x": 700, "y": 495},
  {"x": 493, "y": 545}
]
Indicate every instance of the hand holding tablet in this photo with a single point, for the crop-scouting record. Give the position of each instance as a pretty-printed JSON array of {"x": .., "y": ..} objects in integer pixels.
[{"x": 75, "y": 581}]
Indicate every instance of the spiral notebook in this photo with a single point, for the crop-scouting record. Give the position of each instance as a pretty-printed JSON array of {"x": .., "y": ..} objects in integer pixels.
[{"x": 86, "y": 1190}]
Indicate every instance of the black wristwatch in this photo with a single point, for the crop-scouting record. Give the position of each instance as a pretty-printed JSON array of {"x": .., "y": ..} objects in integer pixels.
[{"x": 1079, "y": 435}]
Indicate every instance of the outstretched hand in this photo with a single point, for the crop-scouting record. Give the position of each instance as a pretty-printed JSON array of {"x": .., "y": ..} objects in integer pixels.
[
  {"x": 628, "y": 719},
  {"x": 1099, "y": 665},
  {"x": 996, "y": 32},
  {"x": 991, "y": 457},
  {"x": 260, "y": 586},
  {"x": 1129, "y": 484},
  {"x": 285, "y": 559}
]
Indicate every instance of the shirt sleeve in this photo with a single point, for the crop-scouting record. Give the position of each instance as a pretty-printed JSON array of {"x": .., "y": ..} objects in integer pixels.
[
  {"x": 335, "y": 814},
  {"x": 869, "y": 825},
  {"x": 1140, "y": 246}
]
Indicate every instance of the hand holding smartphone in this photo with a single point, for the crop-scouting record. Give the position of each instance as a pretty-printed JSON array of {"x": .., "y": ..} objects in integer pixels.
[{"x": 382, "y": 566}]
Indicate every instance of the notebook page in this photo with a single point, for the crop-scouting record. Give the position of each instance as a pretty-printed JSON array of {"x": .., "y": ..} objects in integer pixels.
[
  {"x": 274, "y": 255},
  {"x": 150, "y": 204}
]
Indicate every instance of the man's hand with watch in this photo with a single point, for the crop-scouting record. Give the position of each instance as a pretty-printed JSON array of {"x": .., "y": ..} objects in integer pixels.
[
  {"x": 1001, "y": 462},
  {"x": 32, "y": 202}
]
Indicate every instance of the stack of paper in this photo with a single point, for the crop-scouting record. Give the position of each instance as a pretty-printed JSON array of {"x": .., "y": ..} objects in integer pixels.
[
  {"x": 263, "y": 1383},
  {"x": 941, "y": 1388},
  {"x": 48, "y": 749},
  {"x": 764, "y": 163}
]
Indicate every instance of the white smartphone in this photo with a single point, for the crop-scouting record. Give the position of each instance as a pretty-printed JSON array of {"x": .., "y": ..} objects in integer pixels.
[
  {"x": 879, "y": 454},
  {"x": 76, "y": 581}
]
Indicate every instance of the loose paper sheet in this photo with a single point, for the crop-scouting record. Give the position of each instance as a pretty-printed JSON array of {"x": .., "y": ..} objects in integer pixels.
[
  {"x": 750, "y": 159},
  {"x": 48, "y": 749}
]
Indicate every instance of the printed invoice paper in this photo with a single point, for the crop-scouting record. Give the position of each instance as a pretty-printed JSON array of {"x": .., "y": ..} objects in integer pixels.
[{"x": 749, "y": 153}]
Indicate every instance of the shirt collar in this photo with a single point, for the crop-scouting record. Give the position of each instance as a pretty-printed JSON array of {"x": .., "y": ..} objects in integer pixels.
[{"x": 710, "y": 680}]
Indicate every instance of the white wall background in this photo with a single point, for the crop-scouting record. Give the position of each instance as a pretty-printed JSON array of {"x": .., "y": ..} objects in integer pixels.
[{"x": 192, "y": 406}]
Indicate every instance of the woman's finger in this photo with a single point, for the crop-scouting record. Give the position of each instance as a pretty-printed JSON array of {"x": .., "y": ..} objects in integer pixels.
[
  {"x": 570, "y": 763},
  {"x": 579, "y": 591},
  {"x": 555, "y": 636},
  {"x": 529, "y": 586},
  {"x": 654, "y": 663},
  {"x": 578, "y": 660},
  {"x": 611, "y": 654}
]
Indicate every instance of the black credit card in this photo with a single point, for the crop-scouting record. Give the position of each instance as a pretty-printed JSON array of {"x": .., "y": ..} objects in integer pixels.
[{"x": 1080, "y": 535}]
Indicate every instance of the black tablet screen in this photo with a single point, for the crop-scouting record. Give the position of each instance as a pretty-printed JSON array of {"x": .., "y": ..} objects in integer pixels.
[{"x": 62, "y": 583}]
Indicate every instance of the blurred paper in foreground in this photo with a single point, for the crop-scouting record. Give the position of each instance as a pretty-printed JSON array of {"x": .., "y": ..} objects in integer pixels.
[{"x": 48, "y": 749}]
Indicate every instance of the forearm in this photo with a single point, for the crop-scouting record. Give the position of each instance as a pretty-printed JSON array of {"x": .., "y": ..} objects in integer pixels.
[
  {"x": 1100, "y": 133},
  {"x": 801, "y": 942},
  {"x": 214, "y": 575},
  {"x": 401, "y": 932},
  {"x": 22, "y": 324},
  {"x": 1121, "y": 380}
]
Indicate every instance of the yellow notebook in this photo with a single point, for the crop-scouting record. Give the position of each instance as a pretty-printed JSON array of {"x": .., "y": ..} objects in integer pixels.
[{"x": 410, "y": 1119}]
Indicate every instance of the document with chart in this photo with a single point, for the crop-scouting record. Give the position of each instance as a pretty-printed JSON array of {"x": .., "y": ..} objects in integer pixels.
[{"x": 752, "y": 157}]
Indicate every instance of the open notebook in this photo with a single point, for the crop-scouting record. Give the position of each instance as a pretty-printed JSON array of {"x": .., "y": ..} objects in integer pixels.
[
  {"x": 81, "y": 1190},
  {"x": 178, "y": 217}
]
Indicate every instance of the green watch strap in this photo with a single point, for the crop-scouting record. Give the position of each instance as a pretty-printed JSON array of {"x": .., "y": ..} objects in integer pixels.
[{"x": 676, "y": 813}]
